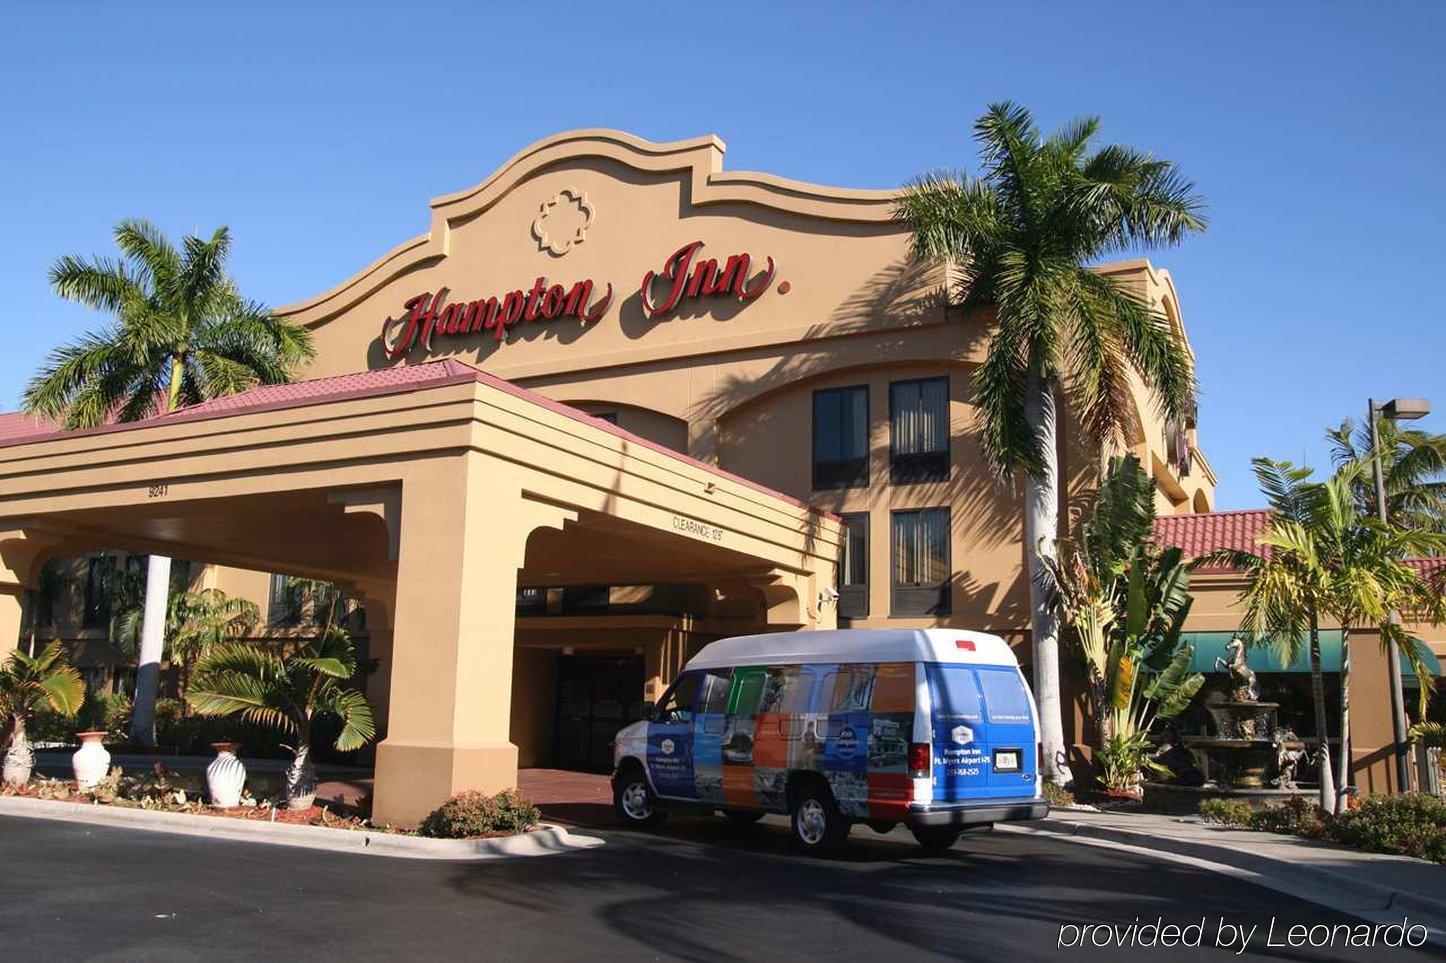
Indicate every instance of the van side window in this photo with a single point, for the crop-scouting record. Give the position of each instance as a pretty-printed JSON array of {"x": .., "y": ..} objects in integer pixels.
[
  {"x": 712, "y": 701},
  {"x": 786, "y": 690},
  {"x": 677, "y": 704},
  {"x": 853, "y": 688},
  {"x": 746, "y": 691}
]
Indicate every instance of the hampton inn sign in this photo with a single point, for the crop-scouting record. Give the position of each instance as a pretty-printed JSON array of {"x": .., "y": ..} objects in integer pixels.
[{"x": 684, "y": 275}]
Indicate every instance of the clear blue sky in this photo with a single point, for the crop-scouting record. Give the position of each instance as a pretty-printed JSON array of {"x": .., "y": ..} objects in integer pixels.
[{"x": 319, "y": 131}]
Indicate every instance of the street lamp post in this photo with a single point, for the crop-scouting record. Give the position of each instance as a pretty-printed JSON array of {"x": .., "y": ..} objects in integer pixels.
[{"x": 1397, "y": 409}]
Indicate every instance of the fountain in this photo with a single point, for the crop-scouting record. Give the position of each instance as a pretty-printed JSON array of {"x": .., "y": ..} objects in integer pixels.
[{"x": 1249, "y": 756}]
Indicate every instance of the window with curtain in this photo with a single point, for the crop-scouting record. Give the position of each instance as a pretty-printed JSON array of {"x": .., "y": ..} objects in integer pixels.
[
  {"x": 841, "y": 438},
  {"x": 853, "y": 567},
  {"x": 921, "y": 562},
  {"x": 919, "y": 430}
]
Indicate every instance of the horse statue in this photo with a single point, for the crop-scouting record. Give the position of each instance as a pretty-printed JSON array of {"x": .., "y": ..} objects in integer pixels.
[{"x": 1244, "y": 687}]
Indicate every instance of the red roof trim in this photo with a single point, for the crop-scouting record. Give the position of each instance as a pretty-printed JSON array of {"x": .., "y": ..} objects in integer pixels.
[{"x": 389, "y": 381}]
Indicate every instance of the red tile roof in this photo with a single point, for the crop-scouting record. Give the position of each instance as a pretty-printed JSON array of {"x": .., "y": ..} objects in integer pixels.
[
  {"x": 1200, "y": 534},
  {"x": 16, "y": 426},
  {"x": 366, "y": 384},
  {"x": 1197, "y": 535}
]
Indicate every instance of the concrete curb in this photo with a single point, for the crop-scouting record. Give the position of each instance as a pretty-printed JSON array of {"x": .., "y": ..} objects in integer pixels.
[
  {"x": 1335, "y": 890},
  {"x": 545, "y": 840}
]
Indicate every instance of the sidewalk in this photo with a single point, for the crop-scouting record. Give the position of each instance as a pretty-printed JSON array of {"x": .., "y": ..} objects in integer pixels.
[{"x": 1374, "y": 886}]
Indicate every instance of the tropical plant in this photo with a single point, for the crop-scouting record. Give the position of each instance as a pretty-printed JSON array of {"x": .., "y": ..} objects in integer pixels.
[
  {"x": 1126, "y": 599},
  {"x": 29, "y": 684},
  {"x": 1023, "y": 235},
  {"x": 182, "y": 334},
  {"x": 286, "y": 693},
  {"x": 1320, "y": 558},
  {"x": 200, "y": 621},
  {"x": 1413, "y": 467}
]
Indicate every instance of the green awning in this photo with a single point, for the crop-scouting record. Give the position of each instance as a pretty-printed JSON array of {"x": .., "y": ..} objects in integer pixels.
[{"x": 1210, "y": 645}]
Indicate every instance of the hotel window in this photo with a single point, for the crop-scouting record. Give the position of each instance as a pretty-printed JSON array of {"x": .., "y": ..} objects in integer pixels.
[
  {"x": 841, "y": 438},
  {"x": 853, "y": 567},
  {"x": 611, "y": 417},
  {"x": 98, "y": 576},
  {"x": 284, "y": 603},
  {"x": 919, "y": 431},
  {"x": 921, "y": 562}
]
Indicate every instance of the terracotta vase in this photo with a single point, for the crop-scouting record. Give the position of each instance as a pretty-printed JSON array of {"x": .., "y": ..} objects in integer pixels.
[
  {"x": 91, "y": 762},
  {"x": 225, "y": 776}
]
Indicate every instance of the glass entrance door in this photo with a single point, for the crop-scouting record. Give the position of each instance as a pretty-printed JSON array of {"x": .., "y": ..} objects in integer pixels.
[{"x": 595, "y": 698}]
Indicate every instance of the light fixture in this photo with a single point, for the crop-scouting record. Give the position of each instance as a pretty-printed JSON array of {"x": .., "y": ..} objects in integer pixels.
[{"x": 1406, "y": 409}]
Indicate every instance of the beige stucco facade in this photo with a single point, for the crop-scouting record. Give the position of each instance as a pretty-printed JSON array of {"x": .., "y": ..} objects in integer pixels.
[{"x": 433, "y": 503}]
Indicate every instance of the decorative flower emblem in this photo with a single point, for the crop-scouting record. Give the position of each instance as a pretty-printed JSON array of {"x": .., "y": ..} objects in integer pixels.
[{"x": 562, "y": 221}]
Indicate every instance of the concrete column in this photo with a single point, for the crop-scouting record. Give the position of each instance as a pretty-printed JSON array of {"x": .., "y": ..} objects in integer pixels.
[
  {"x": 1372, "y": 765},
  {"x": 464, "y": 528},
  {"x": 11, "y": 597}
]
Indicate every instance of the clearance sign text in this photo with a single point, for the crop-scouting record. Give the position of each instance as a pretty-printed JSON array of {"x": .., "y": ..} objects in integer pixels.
[{"x": 684, "y": 276}]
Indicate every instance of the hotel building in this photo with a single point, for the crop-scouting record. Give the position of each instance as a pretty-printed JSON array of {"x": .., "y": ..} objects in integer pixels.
[{"x": 614, "y": 403}]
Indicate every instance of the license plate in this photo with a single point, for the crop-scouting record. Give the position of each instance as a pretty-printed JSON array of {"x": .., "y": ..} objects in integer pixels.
[{"x": 1006, "y": 760}]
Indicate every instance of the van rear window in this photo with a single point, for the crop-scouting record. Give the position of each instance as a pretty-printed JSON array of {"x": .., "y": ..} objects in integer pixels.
[
  {"x": 1004, "y": 696},
  {"x": 955, "y": 692}
]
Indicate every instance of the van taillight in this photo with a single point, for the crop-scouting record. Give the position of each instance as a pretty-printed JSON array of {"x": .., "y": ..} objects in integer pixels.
[{"x": 919, "y": 763}]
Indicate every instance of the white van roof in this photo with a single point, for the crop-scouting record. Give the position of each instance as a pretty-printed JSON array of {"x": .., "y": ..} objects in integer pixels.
[{"x": 855, "y": 645}]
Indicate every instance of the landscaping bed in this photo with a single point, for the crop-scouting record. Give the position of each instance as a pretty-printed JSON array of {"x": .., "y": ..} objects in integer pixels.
[
  {"x": 468, "y": 815},
  {"x": 1403, "y": 825}
]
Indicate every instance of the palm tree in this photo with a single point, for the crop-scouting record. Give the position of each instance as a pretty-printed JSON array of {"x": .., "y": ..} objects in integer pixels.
[
  {"x": 182, "y": 334},
  {"x": 287, "y": 693},
  {"x": 1023, "y": 234},
  {"x": 201, "y": 621},
  {"x": 27, "y": 685},
  {"x": 1413, "y": 464},
  {"x": 1126, "y": 598},
  {"x": 1321, "y": 557}
]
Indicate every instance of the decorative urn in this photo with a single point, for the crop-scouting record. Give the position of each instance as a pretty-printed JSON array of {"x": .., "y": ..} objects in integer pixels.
[
  {"x": 225, "y": 776},
  {"x": 91, "y": 762}
]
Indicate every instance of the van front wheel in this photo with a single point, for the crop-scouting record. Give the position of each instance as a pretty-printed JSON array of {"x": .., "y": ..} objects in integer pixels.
[
  {"x": 937, "y": 839},
  {"x": 818, "y": 825},
  {"x": 633, "y": 799}
]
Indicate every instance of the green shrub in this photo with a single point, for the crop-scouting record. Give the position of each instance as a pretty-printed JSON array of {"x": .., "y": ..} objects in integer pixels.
[
  {"x": 1058, "y": 797},
  {"x": 474, "y": 813},
  {"x": 1411, "y": 825},
  {"x": 1226, "y": 812},
  {"x": 1297, "y": 816}
]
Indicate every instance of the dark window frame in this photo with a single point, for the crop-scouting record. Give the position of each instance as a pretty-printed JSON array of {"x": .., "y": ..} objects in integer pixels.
[
  {"x": 96, "y": 608},
  {"x": 853, "y": 599},
  {"x": 919, "y": 467},
  {"x": 283, "y": 603},
  {"x": 844, "y": 473},
  {"x": 923, "y": 599}
]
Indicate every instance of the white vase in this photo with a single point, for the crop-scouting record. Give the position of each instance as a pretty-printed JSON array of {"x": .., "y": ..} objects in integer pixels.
[
  {"x": 225, "y": 776},
  {"x": 91, "y": 762}
]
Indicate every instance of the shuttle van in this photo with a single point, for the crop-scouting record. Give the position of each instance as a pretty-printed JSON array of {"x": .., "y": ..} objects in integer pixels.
[{"x": 932, "y": 728}]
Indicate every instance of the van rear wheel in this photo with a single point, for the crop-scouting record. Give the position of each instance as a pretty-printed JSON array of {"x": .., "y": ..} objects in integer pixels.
[
  {"x": 633, "y": 798},
  {"x": 819, "y": 826},
  {"x": 937, "y": 839}
]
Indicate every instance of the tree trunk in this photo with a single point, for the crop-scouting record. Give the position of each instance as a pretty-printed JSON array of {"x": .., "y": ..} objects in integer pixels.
[
  {"x": 148, "y": 669},
  {"x": 19, "y": 757},
  {"x": 1041, "y": 530},
  {"x": 1344, "y": 769},
  {"x": 301, "y": 774},
  {"x": 1323, "y": 746}
]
